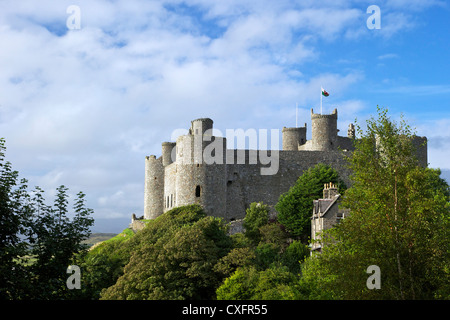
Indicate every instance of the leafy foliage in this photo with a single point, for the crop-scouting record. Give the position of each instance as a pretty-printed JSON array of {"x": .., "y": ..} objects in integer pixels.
[
  {"x": 103, "y": 265},
  {"x": 256, "y": 216},
  {"x": 176, "y": 264},
  {"x": 295, "y": 206},
  {"x": 12, "y": 272},
  {"x": 37, "y": 241},
  {"x": 274, "y": 283},
  {"x": 399, "y": 221}
]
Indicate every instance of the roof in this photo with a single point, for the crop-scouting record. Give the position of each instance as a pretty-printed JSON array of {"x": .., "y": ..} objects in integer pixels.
[{"x": 322, "y": 206}]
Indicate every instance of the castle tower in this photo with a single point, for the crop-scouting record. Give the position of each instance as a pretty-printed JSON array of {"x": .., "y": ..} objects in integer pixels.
[
  {"x": 324, "y": 131},
  {"x": 201, "y": 169},
  {"x": 420, "y": 145},
  {"x": 168, "y": 153},
  {"x": 200, "y": 126},
  {"x": 154, "y": 187},
  {"x": 351, "y": 131},
  {"x": 293, "y": 137}
]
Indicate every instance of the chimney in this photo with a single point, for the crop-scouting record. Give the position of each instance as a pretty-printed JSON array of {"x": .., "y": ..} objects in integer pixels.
[
  {"x": 329, "y": 190},
  {"x": 325, "y": 191}
]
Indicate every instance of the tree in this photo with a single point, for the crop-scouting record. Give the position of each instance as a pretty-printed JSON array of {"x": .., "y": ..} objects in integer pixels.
[
  {"x": 103, "y": 264},
  {"x": 37, "y": 241},
  {"x": 295, "y": 206},
  {"x": 256, "y": 216},
  {"x": 274, "y": 283},
  {"x": 399, "y": 221},
  {"x": 12, "y": 215},
  {"x": 55, "y": 239},
  {"x": 236, "y": 258},
  {"x": 174, "y": 257},
  {"x": 295, "y": 254}
]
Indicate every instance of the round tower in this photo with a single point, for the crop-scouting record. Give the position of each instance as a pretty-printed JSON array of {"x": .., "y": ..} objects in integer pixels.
[
  {"x": 154, "y": 187},
  {"x": 200, "y": 126},
  {"x": 168, "y": 153},
  {"x": 324, "y": 131},
  {"x": 293, "y": 137},
  {"x": 197, "y": 181}
]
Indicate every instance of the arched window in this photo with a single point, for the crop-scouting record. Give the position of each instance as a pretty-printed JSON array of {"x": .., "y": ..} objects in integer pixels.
[{"x": 197, "y": 191}]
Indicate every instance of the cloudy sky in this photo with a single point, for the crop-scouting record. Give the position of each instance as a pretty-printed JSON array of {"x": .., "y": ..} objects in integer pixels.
[{"x": 83, "y": 107}]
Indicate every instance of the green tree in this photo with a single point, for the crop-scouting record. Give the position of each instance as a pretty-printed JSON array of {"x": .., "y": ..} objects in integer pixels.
[
  {"x": 399, "y": 221},
  {"x": 37, "y": 241},
  {"x": 55, "y": 239},
  {"x": 103, "y": 264},
  {"x": 294, "y": 255},
  {"x": 236, "y": 258},
  {"x": 295, "y": 206},
  {"x": 12, "y": 217},
  {"x": 177, "y": 263},
  {"x": 256, "y": 216},
  {"x": 274, "y": 283}
]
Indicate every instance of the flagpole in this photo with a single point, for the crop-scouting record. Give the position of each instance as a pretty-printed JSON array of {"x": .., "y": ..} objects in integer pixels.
[{"x": 296, "y": 115}]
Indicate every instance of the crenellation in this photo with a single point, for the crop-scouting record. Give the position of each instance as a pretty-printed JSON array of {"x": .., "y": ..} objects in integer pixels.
[{"x": 198, "y": 168}]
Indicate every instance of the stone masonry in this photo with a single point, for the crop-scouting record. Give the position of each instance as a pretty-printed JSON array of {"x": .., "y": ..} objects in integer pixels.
[{"x": 226, "y": 186}]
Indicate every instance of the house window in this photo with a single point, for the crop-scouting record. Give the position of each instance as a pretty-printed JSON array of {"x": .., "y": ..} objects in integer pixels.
[{"x": 197, "y": 191}]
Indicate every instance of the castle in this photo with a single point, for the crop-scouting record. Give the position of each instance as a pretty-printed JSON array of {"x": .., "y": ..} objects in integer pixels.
[{"x": 199, "y": 169}]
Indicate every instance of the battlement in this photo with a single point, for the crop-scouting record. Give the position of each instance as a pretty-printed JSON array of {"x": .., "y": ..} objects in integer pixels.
[
  {"x": 293, "y": 138},
  {"x": 294, "y": 129},
  {"x": 199, "y": 168},
  {"x": 333, "y": 115}
]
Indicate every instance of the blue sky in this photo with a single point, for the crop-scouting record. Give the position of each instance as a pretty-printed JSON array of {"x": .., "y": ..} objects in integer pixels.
[{"x": 84, "y": 107}]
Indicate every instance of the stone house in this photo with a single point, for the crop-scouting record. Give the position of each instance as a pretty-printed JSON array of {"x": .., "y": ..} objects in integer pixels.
[{"x": 326, "y": 214}]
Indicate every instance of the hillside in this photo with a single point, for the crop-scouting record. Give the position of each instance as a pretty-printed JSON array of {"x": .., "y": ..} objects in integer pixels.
[{"x": 99, "y": 237}]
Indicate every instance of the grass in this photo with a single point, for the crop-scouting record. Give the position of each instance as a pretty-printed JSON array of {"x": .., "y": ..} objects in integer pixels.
[
  {"x": 125, "y": 234},
  {"x": 98, "y": 237}
]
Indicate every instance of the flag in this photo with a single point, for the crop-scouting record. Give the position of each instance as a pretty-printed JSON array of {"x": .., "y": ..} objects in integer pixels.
[{"x": 324, "y": 93}]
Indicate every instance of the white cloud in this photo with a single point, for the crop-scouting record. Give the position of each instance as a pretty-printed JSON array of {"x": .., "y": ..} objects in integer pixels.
[
  {"x": 388, "y": 56},
  {"x": 84, "y": 107}
]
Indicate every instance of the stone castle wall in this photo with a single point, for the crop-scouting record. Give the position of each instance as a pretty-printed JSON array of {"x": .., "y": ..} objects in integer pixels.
[
  {"x": 245, "y": 184},
  {"x": 226, "y": 184}
]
